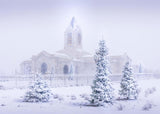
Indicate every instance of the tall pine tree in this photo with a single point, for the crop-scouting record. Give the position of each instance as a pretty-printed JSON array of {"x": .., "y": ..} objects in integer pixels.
[
  {"x": 102, "y": 91},
  {"x": 128, "y": 84}
]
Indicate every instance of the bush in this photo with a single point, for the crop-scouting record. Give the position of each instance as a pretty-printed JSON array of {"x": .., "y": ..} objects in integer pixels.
[
  {"x": 147, "y": 106},
  {"x": 149, "y": 91},
  {"x": 120, "y": 107}
]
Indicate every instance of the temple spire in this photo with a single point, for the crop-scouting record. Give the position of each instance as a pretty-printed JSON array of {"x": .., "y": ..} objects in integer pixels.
[
  {"x": 73, "y": 22},
  {"x": 73, "y": 36}
]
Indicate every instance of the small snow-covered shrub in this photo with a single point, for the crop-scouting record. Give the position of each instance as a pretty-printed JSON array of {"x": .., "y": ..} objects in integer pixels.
[
  {"x": 85, "y": 96},
  {"x": 149, "y": 91},
  {"x": 55, "y": 96},
  {"x": 147, "y": 106},
  {"x": 3, "y": 105},
  {"x": 60, "y": 98},
  {"x": 120, "y": 107},
  {"x": 73, "y": 97},
  {"x": 154, "y": 88},
  {"x": 1, "y": 87},
  {"x": 19, "y": 106},
  {"x": 38, "y": 92}
]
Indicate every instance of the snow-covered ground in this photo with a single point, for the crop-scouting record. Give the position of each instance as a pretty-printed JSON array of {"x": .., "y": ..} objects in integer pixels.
[{"x": 73, "y": 100}]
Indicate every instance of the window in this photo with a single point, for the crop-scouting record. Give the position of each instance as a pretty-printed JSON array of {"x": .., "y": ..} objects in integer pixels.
[
  {"x": 43, "y": 68},
  {"x": 28, "y": 69},
  {"x": 65, "y": 69},
  {"x": 52, "y": 70},
  {"x": 69, "y": 38},
  {"x": 69, "y": 41},
  {"x": 69, "y": 35},
  {"x": 76, "y": 69},
  {"x": 79, "y": 38}
]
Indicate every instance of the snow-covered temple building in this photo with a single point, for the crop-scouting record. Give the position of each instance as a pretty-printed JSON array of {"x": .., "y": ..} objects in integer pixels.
[{"x": 71, "y": 59}]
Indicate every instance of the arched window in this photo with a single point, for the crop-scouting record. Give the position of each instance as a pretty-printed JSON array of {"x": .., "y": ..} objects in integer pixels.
[
  {"x": 69, "y": 35},
  {"x": 65, "y": 69},
  {"x": 28, "y": 69},
  {"x": 76, "y": 69},
  {"x": 52, "y": 70},
  {"x": 69, "y": 38},
  {"x": 79, "y": 38},
  {"x": 43, "y": 68}
]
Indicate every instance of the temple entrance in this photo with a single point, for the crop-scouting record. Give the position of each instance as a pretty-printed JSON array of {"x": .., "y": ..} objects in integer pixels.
[
  {"x": 65, "y": 69},
  {"x": 43, "y": 68}
]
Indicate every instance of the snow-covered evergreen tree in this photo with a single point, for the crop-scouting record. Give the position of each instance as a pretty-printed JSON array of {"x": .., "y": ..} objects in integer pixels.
[
  {"x": 38, "y": 92},
  {"x": 128, "y": 84},
  {"x": 102, "y": 91}
]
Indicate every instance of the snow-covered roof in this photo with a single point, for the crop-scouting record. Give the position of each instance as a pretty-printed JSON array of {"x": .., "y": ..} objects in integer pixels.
[
  {"x": 76, "y": 59},
  {"x": 88, "y": 55},
  {"x": 56, "y": 54},
  {"x": 61, "y": 55}
]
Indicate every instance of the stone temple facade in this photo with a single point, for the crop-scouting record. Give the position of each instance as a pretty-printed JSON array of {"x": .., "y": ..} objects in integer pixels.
[{"x": 70, "y": 60}]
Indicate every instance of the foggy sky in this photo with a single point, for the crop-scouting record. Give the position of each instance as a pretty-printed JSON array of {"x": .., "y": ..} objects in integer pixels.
[{"x": 29, "y": 26}]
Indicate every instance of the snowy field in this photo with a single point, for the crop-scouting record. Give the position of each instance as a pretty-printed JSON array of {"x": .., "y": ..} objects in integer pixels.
[{"x": 73, "y": 100}]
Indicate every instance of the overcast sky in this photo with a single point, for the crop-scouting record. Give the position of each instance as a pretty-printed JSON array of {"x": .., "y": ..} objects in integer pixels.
[{"x": 29, "y": 26}]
